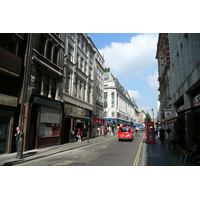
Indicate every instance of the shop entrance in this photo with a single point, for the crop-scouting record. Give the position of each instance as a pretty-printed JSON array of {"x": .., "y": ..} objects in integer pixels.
[
  {"x": 66, "y": 131},
  {"x": 3, "y": 134}
]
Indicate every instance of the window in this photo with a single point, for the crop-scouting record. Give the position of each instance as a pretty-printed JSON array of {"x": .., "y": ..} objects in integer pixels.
[
  {"x": 11, "y": 43},
  {"x": 46, "y": 85},
  {"x": 84, "y": 89},
  {"x": 75, "y": 88},
  {"x": 82, "y": 64},
  {"x": 53, "y": 88},
  {"x": 55, "y": 56},
  {"x": 85, "y": 67},
  {"x": 112, "y": 99},
  {"x": 38, "y": 82},
  {"x": 70, "y": 53},
  {"x": 49, "y": 49},
  {"x": 89, "y": 92},
  {"x": 80, "y": 90},
  {"x": 67, "y": 82},
  {"x": 105, "y": 99},
  {"x": 113, "y": 114},
  {"x": 42, "y": 44}
]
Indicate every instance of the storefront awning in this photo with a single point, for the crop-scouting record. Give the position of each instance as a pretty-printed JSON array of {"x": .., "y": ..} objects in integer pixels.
[{"x": 169, "y": 121}]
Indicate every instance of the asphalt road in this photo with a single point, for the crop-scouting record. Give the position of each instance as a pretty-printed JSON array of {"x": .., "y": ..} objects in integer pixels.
[{"x": 109, "y": 152}]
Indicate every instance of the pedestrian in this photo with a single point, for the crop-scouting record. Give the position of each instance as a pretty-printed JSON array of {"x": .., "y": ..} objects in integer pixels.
[
  {"x": 113, "y": 129},
  {"x": 79, "y": 134},
  {"x": 17, "y": 136},
  {"x": 105, "y": 131},
  {"x": 162, "y": 136}
]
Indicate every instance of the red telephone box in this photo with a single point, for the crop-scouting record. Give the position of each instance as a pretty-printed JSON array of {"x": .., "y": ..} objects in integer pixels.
[{"x": 150, "y": 133}]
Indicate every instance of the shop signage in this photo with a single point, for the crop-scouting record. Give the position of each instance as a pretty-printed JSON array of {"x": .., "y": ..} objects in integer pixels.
[
  {"x": 168, "y": 113},
  {"x": 8, "y": 100},
  {"x": 46, "y": 102},
  {"x": 98, "y": 120},
  {"x": 74, "y": 110}
]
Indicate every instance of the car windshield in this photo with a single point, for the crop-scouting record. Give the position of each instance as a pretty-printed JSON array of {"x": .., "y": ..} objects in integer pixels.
[{"x": 124, "y": 130}]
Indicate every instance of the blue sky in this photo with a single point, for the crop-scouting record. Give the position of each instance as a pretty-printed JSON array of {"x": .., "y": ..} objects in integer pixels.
[{"x": 131, "y": 57}]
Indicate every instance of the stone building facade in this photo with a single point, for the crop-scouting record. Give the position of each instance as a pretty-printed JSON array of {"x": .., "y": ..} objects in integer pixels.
[{"x": 180, "y": 98}]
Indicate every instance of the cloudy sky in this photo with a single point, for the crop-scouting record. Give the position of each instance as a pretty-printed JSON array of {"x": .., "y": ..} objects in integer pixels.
[{"x": 131, "y": 57}]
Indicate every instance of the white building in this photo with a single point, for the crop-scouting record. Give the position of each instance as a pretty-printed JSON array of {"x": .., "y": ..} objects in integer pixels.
[{"x": 119, "y": 106}]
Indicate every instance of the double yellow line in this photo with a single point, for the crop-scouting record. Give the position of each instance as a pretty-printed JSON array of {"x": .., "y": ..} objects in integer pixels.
[{"x": 138, "y": 153}]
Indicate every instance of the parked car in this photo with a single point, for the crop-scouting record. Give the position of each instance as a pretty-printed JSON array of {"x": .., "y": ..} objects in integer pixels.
[{"x": 125, "y": 133}]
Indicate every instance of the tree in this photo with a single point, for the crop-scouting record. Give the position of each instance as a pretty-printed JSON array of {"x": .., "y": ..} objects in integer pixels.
[
  {"x": 107, "y": 70},
  {"x": 147, "y": 116}
]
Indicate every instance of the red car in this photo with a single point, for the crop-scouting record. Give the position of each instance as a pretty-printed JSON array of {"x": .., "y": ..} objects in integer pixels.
[{"x": 125, "y": 133}]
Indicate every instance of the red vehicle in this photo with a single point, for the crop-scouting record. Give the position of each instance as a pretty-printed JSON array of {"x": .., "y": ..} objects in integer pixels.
[{"x": 125, "y": 133}]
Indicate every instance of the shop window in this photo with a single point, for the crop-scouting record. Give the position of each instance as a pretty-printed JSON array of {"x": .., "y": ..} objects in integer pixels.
[{"x": 48, "y": 130}]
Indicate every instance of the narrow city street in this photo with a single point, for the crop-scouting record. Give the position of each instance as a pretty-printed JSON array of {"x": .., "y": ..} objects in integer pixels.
[{"x": 108, "y": 152}]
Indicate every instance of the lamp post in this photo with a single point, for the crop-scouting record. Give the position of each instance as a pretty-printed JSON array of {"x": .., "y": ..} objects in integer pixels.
[{"x": 153, "y": 114}]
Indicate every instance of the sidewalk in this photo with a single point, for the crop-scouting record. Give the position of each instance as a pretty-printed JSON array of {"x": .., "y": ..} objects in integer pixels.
[
  {"x": 9, "y": 159},
  {"x": 158, "y": 155}
]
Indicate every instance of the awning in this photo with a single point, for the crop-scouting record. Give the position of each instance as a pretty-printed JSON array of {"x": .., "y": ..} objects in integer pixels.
[{"x": 169, "y": 121}]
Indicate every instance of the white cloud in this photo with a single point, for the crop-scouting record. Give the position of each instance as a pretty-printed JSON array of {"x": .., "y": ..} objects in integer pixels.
[
  {"x": 134, "y": 94},
  {"x": 152, "y": 80},
  {"x": 133, "y": 58}
]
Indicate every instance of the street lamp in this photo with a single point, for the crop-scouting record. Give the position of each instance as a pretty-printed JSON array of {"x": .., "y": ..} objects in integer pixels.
[{"x": 153, "y": 114}]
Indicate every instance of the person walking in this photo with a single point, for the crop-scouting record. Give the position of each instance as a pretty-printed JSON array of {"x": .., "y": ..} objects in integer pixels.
[
  {"x": 162, "y": 136},
  {"x": 17, "y": 136},
  {"x": 79, "y": 134}
]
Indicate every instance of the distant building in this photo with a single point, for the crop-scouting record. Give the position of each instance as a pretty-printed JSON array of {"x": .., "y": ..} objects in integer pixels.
[{"x": 119, "y": 106}]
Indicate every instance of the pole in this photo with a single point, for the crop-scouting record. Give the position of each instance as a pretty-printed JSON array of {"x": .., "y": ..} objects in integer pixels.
[{"x": 26, "y": 77}]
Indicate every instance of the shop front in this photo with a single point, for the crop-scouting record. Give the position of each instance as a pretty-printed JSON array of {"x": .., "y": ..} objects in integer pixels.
[
  {"x": 8, "y": 121},
  {"x": 75, "y": 118},
  {"x": 48, "y": 122},
  {"x": 98, "y": 129}
]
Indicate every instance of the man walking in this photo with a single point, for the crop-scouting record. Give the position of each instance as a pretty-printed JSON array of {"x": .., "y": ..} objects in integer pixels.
[{"x": 162, "y": 136}]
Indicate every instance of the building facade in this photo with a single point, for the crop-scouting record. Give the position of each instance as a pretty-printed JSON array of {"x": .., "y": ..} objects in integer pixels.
[
  {"x": 12, "y": 67},
  {"x": 81, "y": 97},
  {"x": 98, "y": 118},
  {"x": 119, "y": 106},
  {"x": 43, "y": 108},
  {"x": 180, "y": 100}
]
